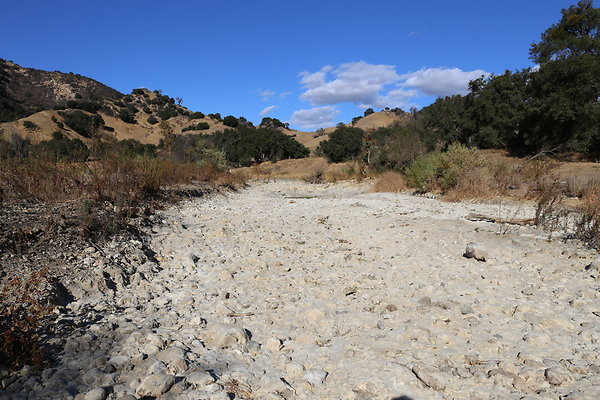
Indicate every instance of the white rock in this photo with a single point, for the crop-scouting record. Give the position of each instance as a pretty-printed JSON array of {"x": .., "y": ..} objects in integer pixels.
[
  {"x": 155, "y": 385},
  {"x": 96, "y": 394},
  {"x": 200, "y": 378},
  {"x": 223, "y": 336},
  {"x": 431, "y": 377},
  {"x": 475, "y": 251},
  {"x": 556, "y": 376},
  {"x": 315, "y": 376}
]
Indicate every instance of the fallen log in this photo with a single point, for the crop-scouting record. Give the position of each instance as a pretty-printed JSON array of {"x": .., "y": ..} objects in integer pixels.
[{"x": 487, "y": 218}]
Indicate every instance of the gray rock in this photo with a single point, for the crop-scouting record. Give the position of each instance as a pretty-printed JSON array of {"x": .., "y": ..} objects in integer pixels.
[
  {"x": 224, "y": 335},
  {"x": 96, "y": 394},
  {"x": 155, "y": 385},
  {"x": 464, "y": 310},
  {"x": 431, "y": 377},
  {"x": 200, "y": 378},
  {"x": 315, "y": 376},
  {"x": 474, "y": 250},
  {"x": 556, "y": 376}
]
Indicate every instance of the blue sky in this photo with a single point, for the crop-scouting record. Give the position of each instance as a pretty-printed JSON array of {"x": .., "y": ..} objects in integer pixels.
[{"x": 310, "y": 63}]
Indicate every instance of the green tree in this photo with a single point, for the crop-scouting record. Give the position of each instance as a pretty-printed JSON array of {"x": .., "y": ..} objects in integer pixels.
[
  {"x": 345, "y": 143},
  {"x": 230, "y": 121},
  {"x": 577, "y": 33},
  {"x": 564, "y": 92},
  {"x": 497, "y": 107}
]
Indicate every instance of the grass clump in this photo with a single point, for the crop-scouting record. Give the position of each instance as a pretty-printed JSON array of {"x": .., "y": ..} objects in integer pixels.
[{"x": 390, "y": 182}]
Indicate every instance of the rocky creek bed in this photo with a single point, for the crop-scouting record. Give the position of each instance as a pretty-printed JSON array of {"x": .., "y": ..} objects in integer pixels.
[{"x": 287, "y": 290}]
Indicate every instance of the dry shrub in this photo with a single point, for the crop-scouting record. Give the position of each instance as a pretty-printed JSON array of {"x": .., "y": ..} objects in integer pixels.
[
  {"x": 476, "y": 183},
  {"x": 581, "y": 221},
  {"x": 39, "y": 180},
  {"x": 21, "y": 321},
  {"x": 551, "y": 212},
  {"x": 390, "y": 182},
  {"x": 345, "y": 172},
  {"x": 587, "y": 226},
  {"x": 315, "y": 178}
]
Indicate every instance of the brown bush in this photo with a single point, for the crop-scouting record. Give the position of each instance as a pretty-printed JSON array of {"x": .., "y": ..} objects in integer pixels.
[
  {"x": 587, "y": 225},
  {"x": 475, "y": 183},
  {"x": 390, "y": 182},
  {"x": 21, "y": 321}
]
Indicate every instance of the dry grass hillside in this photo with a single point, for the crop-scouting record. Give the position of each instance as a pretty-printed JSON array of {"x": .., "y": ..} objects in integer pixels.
[
  {"x": 49, "y": 121},
  {"x": 380, "y": 119},
  {"x": 373, "y": 121}
]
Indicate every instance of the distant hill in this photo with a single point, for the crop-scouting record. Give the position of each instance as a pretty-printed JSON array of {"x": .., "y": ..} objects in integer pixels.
[
  {"x": 36, "y": 103},
  {"x": 24, "y": 91},
  {"x": 382, "y": 119}
]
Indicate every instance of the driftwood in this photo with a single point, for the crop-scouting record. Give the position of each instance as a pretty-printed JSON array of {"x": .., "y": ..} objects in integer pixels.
[
  {"x": 487, "y": 218},
  {"x": 236, "y": 315}
]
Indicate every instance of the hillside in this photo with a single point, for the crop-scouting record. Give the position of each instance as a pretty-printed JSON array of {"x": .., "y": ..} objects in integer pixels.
[
  {"x": 36, "y": 103},
  {"x": 24, "y": 91},
  {"x": 381, "y": 119}
]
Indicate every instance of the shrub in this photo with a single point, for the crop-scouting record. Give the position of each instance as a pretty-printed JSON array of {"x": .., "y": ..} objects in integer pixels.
[
  {"x": 200, "y": 126},
  {"x": 393, "y": 148},
  {"x": 138, "y": 91},
  {"x": 197, "y": 115},
  {"x": 147, "y": 110},
  {"x": 22, "y": 320},
  {"x": 456, "y": 161},
  {"x": 421, "y": 174},
  {"x": 230, "y": 121},
  {"x": 215, "y": 116},
  {"x": 587, "y": 224},
  {"x": 345, "y": 143},
  {"x": 14, "y": 147},
  {"x": 245, "y": 145},
  {"x": 89, "y": 106},
  {"x": 369, "y": 111},
  {"x": 152, "y": 120},
  {"x": 61, "y": 148},
  {"x": 132, "y": 148},
  {"x": 166, "y": 113},
  {"x": 84, "y": 124},
  {"x": 127, "y": 116},
  {"x": 268, "y": 122},
  {"x": 30, "y": 126},
  {"x": 460, "y": 173},
  {"x": 391, "y": 182}
]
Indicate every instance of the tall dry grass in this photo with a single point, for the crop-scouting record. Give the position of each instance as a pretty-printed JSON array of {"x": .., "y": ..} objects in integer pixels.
[{"x": 390, "y": 182}]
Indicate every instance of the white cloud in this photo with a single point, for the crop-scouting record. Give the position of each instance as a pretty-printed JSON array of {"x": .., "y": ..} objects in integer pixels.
[
  {"x": 377, "y": 85},
  {"x": 266, "y": 94},
  {"x": 267, "y": 110},
  {"x": 314, "y": 118},
  {"x": 441, "y": 81},
  {"x": 356, "y": 82},
  {"x": 283, "y": 95}
]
